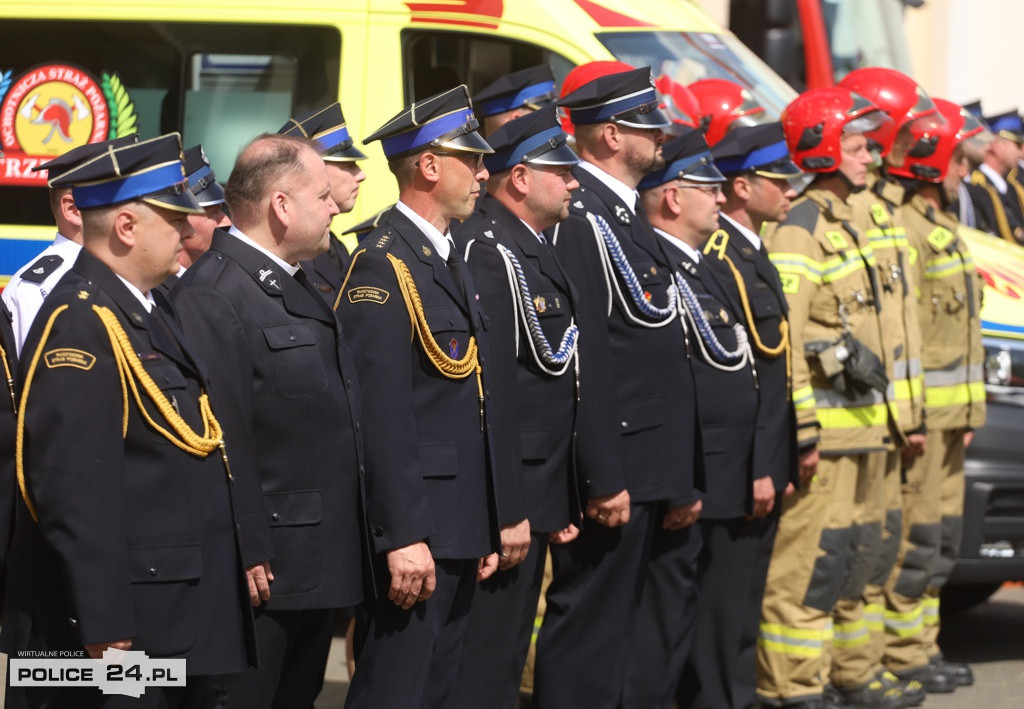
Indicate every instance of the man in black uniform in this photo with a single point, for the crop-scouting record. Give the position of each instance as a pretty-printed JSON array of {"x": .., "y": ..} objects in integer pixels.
[
  {"x": 8, "y": 423},
  {"x": 756, "y": 162},
  {"x": 202, "y": 182},
  {"x": 326, "y": 126},
  {"x": 533, "y": 331},
  {"x": 125, "y": 536},
  {"x": 995, "y": 202},
  {"x": 278, "y": 356},
  {"x": 434, "y": 498},
  {"x": 514, "y": 95},
  {"x": 639, "y": 469}
]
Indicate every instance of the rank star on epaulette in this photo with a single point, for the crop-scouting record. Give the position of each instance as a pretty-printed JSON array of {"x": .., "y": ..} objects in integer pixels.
[
  {"x": 383, "y": 240},
  {"x": 489, "y": 234},
  {"x": 578, "y": 204},
  {"x": 622, "y": 214},
  {"x": 38, "y": 271},
  {"x": 269, "y": 278},
  {"x": 541, "y": 303}
]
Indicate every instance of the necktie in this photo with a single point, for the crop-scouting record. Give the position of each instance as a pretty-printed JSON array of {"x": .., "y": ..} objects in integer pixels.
[{"x": 455, "y": 266}]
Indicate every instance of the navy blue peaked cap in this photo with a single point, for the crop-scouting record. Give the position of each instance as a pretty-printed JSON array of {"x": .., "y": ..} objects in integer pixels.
[
  {"x": 530, "y": 88},
  {"x": 536, "y": 139},
  {"x": 326, "y": 126},
  {"x": 151, "y": 171}
]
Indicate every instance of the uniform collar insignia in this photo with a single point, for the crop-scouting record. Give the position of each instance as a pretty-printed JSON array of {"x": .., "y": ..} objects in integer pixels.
[{"x": 622, "y": 214}]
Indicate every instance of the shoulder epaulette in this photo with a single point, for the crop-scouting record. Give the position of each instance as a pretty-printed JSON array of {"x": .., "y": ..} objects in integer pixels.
[
  {"x": 43, "y": 267},
  {"x": 576, "y": 203},
  {"x": 804, "y": 214},
  {"x": 380, "y": 240}
]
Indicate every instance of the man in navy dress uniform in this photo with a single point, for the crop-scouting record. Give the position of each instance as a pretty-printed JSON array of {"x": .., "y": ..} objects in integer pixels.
[
  {"x": 533, "y": 330},
  {"x": 435, "y": 500},
  {"x": 326, "y": 126},
  {"x": 129, "y": 529},
  {"x": 279, "y": 357},
  {"x": 641, "y": 467}
]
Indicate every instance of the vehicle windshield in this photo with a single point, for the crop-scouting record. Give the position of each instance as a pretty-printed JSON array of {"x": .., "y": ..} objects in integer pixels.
[
  {"x": 690, "y": 56},
  {"x": 865, "y": 33}
]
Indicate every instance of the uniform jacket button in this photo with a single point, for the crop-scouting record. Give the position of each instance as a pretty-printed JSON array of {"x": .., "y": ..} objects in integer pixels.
[
  {"x": 275, "y": 516},
  {"x": 153, "y": 572},
  {"x": 378, "y": 531},
  {"x": 73, "y": 622}
]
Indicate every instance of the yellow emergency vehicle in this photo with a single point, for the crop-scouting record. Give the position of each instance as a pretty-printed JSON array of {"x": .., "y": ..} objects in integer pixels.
[{"x": 223, "y": 71}]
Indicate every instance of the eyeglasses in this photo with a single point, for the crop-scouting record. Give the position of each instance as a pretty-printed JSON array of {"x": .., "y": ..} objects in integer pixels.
[
  {"x": 710, "y": 190},
  {"x": 474, "y": 160}
]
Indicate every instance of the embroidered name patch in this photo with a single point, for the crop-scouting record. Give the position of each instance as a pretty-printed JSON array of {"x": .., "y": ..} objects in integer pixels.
[
  {"x": 67, "y": 357},
  {"x": 940, "y": 238},
  {"x": 368, "y": 294},
  {"x": 790, "y": 283},
  {"x": 837, "y": 239}
]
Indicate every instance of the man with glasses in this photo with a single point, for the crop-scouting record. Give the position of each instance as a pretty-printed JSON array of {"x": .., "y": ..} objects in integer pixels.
[
  {"x": 758, "y": 168},
  {"x": 839, "y": 392},
  {"x": 639, "y": 469},
  {"x": 698, "y": 577},
  {"x": 434, "y": 500}
]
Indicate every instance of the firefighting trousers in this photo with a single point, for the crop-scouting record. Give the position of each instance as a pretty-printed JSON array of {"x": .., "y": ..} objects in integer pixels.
[
  {"x": 933, "y": 496},
  {"x": 856, "y": 653},
  {"x": 814, "y": 547}
]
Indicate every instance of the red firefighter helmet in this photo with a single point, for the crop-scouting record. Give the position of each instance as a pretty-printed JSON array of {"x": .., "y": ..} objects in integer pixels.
[
  {"x": 724, "y": 104},
  {"x": 584, "y": 74},
  {"x": 928, "y": 160},
  {"x": 899, "y": 96},
  {"x": 677, "y": 102},
  {"x": 815, "y": 121}
]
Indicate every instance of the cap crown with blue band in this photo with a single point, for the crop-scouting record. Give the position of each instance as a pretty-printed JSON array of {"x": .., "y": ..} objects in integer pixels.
[
  {"x": 529, "y": 88},
  {"x": 974, "y": 108},
  {"x": 325, "y": 126},
  {"x": 1008, "y": 125},
  {"x": 627, "y": 97},
  {"x": 444, "y": 120},
  {"x": 687, "y": 157},
  {"x": 760, "y": 148},
  {"x": 202, "y": 181},
  {"x": 151, "y": 171},
  {"x": 83, "y": 153},
  {"x": 536, "y": 138}
]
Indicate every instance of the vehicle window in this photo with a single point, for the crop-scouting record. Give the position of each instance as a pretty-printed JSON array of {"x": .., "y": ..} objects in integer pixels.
[
  {"x": 64, "y": 82},
  {"x": 690, "y": 56},
  {"x": 434, "y": 61}
]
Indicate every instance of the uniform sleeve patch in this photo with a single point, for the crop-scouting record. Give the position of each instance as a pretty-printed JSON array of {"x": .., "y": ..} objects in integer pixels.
[
  {"x": 940, "y": 238},
  {"x": 837, "y": 239},
  {"x": 880, "y": 214},
  {"x": 67, "y": 357},
  {"x": 368, "y": 294},
  {"x": 790, "y": 283}
]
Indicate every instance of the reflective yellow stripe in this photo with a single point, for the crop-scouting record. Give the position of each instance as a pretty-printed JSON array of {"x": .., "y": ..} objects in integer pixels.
[
  {"x": 908, "y": 389},
  {"x": 930, "y": 610},
  {"x": 954, "y": 395},
  {"x": 803, "y": 398},
  {"x": 874, "y": 616},
  {"x": 798, "y": 265},
  {"x": 853, "y": 634},
  {"x": 905, "y": 625},
  {"x": 838, "y": 268},
  {"x": 854, "y": 417},
  {"x": 943, "y": 266},
  {"x": 798, "y": 642}
]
